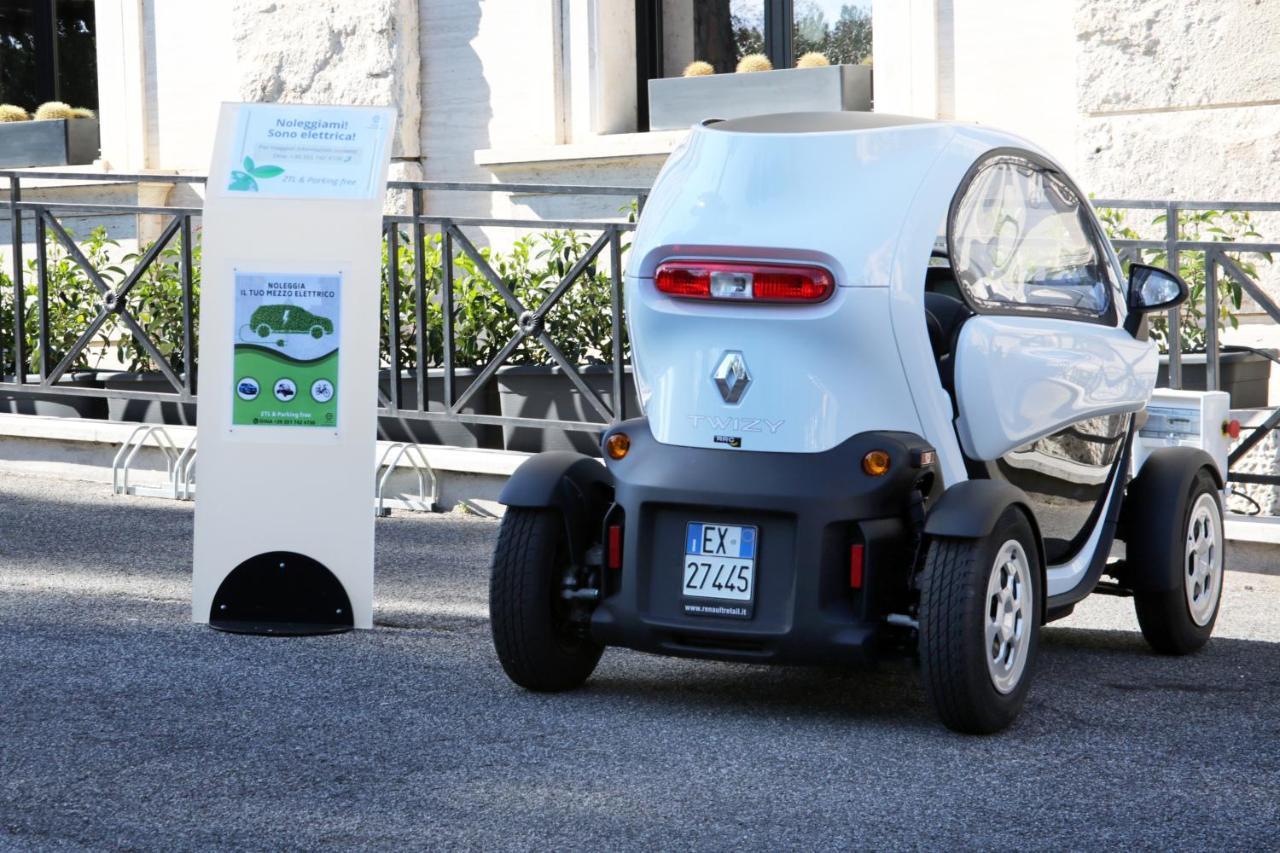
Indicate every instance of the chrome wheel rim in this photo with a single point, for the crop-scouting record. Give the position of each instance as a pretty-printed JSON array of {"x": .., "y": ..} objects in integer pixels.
[
  {"x": 1202, "y": 567},
  {"x": 1008, "y": 616}
]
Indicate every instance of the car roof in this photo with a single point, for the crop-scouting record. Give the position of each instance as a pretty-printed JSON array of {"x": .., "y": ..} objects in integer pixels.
[{"x": 813, "y": 122}]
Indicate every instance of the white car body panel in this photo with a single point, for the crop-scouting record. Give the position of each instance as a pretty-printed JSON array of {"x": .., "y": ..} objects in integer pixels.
[
  {"x": 867, "y": 205},
  {"x": 1022, "y": 378}
]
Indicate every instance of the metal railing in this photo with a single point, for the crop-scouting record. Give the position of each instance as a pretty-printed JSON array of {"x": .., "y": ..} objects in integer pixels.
[
  {"x": 112, "y": 301},
  {"x": 1217, "y": 262},
  {"x": 530, "y": 320}
]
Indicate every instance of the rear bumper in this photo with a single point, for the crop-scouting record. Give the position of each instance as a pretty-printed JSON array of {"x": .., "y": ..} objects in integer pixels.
[{"x": 810, "y": 509}]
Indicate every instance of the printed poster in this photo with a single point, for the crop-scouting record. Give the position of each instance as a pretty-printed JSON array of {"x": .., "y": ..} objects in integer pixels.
[
  {"x": 286, "y": 349},
  {"x": 293, "y": 151}
]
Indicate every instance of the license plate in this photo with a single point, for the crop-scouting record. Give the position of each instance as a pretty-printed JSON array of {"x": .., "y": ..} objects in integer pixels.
[{"x": 719, "y": 575}]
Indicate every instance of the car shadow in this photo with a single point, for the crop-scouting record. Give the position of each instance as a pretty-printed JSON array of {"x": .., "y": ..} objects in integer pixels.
[{"x": 1082, "y": 674}]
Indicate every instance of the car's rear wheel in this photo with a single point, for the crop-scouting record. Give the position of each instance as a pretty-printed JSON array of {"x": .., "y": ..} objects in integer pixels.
[
  {"x": 980, "y": 624},
  {"x": 264, "y": 330},
  {"x": 1179, "y": 619},
  {"x": 539, "y": 646}
]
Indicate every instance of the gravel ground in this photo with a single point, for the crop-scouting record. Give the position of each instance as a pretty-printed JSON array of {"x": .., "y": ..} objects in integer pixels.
[{"x": 122, "y": 725}]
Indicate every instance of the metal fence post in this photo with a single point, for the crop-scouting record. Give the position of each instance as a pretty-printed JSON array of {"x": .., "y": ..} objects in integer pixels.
[
  {"x": 1211, "y": 320},
  {"x": 19, "y": 303},
  {"x": 393, "y": 304},
  {"x": 446, "y": 307},
  {"x": 619, "y": 332},
  {"x": 188, "y": 290},
  {"x": 1174, "y": 337},
  {"x": 42, "y": 295},
  {"x": 420, "y": 299}
]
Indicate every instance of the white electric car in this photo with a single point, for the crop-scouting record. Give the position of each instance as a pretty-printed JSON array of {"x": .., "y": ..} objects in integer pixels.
[{"x": 862, "y": 438}]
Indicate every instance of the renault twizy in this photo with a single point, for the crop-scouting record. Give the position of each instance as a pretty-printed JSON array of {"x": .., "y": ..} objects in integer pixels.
[{"x": 891, "y": 374}]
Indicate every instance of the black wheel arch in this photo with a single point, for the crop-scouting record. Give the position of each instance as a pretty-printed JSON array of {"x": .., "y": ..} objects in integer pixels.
[
  {"x": 579, "y": 487},
  {"x": 971, "y": 510},
  {"x": 1163, "y": 482}
]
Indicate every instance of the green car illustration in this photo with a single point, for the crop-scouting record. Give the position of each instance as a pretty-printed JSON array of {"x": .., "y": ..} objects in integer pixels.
[{"x": 288, "y": 320}]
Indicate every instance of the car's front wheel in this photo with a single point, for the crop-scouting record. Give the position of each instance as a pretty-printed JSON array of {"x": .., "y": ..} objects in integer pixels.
[
  {"x": 980, "y": 624},
  {"x": 539, "y": 645}
]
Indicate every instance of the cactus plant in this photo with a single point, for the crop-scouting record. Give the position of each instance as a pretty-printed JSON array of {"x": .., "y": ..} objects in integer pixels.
[
  {"x": 698, "y": 68},
  {"x": 812, "y": 59},
  {"x": 9, "y": 112},
  {"x": 754, "y": 62},
  {"x": 82, "y": 112},
  {"x": 54, "y": 110}
]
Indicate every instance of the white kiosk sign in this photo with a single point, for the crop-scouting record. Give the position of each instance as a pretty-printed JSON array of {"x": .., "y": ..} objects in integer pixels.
[
  {"x": 330, "y": 152},
  {"x": 288, "y": 349}
]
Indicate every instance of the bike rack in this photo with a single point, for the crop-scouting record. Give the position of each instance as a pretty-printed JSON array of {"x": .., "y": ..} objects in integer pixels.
[
  {"x": 179, "y": 464},
  {"x": 391, "y": 457}
]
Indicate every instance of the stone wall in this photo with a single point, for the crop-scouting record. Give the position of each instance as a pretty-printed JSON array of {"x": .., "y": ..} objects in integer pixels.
[
  {"x": 1179, "y": 98},
  {"x": 339, "y": 52}
]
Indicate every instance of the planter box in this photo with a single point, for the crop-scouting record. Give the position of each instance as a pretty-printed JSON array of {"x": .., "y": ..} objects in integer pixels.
[
  {"x": 147, "y": 411},
  {"x": 545, "y": 392},
  {"x": 52, "y": 405},
  {"x": 676, "y": 103},
  {"x": 1243, "y": 374},
  {"x": 439, "y": 432},
  {"x": 62, "y": 142}
]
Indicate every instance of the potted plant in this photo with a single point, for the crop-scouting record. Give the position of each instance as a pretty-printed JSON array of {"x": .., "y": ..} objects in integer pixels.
[
  {"x": 58, "y": 135},
  {"x": 155, "y": 301},
  {"x": 473, "y": 349},
  {"x": 72, "y": 302},
  {"x": 1244, "y": 372}
]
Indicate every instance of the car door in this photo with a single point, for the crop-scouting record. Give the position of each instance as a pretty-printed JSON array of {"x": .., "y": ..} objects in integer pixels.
[{"x": 1046, "y": 379}]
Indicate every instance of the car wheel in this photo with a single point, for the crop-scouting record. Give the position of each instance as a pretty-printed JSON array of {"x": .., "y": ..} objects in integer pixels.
[
  {"x": 539, "y": 648},
  {"x": 317, "y": 332},
  {"x": 1179, "y": 619},
  {"x": 264, "y": 330},
  {"x": 980, "y": 624}
]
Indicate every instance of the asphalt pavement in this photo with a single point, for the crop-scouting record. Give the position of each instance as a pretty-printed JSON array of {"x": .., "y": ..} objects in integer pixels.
[{"x": 123, "y": 725}]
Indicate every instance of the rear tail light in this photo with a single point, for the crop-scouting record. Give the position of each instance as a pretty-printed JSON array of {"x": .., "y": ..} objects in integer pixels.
[{"x": 741, "y": 282}]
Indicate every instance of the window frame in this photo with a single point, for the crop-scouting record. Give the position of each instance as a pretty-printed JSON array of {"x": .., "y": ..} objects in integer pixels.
[
  {"x": 779, "y": 45},
  {"x": 1093, "y": 232}
]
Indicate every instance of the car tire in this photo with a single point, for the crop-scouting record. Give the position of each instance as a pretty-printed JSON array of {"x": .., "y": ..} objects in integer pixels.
[
  {"x": 317, "y": 332},
  {"x": 538, "y": 648},
  {"x": 264, "y": 330},
  {"x": 1179, "y": 619},
  {"x": 980, "y": 624}
]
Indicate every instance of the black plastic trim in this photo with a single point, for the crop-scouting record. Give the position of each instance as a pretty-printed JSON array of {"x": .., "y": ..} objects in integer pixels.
[
  {"x": 808, "y": 509},
  {"x": 578, "y": 486}
]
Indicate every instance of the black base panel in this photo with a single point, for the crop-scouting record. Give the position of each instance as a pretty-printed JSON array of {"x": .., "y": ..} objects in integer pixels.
[{"x": 281, "y": 593}]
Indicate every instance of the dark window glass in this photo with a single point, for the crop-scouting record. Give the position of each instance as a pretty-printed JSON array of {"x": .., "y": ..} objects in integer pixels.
[
  {"x": 838, "y": 29},
  {"x": 48, "y": 52},
  {"x": 77, "y": 54},
  {"x": 18, "y": 54},
  {"x": 716, "y": 31}
]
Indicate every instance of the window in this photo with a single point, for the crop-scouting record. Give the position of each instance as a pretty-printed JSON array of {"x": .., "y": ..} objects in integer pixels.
[
  {"x": 672, "y": 33},
  {"x": 1022, "y": 239},
  {"x": 48, "y": 53}
]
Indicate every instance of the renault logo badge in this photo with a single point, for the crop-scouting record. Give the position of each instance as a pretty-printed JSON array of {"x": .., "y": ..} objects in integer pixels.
[{"x": 731, "y": 376}]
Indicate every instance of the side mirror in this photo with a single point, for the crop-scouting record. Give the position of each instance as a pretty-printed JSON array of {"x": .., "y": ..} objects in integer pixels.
[{"x": 1152, "y": 289}]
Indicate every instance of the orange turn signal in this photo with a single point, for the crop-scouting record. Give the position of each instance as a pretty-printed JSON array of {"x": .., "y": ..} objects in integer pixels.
[
  {"x": 876, "y": 463},
  {"x": 617, "y": 445}
]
